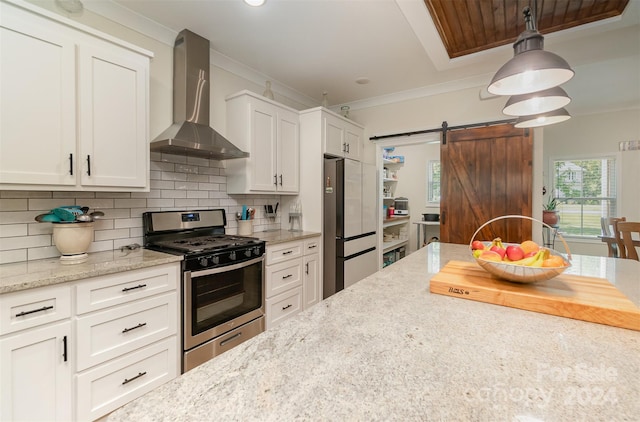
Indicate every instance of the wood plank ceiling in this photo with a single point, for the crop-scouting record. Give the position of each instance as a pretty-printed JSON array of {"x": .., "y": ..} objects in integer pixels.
[{"x": 470, "y": 26}]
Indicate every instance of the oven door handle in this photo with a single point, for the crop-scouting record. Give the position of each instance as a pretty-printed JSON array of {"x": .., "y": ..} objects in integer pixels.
[{"x": 223, "y": 269}]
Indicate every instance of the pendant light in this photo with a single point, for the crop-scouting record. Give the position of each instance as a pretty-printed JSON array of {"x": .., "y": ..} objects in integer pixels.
[
  {"x": 544, "y": 119},
  {"x": 531, "y": 69},
  {"x": 536, "y": 102}
]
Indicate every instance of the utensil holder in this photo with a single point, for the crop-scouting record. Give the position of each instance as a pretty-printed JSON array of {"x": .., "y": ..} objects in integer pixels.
[{"x": 245, "y": 227}]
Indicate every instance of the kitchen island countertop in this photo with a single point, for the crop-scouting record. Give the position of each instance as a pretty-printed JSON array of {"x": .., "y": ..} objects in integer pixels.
[{"x": 388, "y": 349}]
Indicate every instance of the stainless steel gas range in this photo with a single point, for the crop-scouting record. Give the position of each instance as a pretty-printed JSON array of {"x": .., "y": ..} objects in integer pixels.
[{"x": 222, "y": 280}]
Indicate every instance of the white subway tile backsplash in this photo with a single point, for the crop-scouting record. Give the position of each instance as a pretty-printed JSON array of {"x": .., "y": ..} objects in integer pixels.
[
  {"x": 49, "y": 204},
  {"x": 130, "y": 203},
  {"x": 177, "y": 182},
  {"x": 161, "y": 184},
  {"x": 100, "y": 235},
  {"x": 160, "y": 203},
  {"x": 12, "y": 230},
  {"x": 15, "y": 204},
  {"x": 14, "y": 255},
  {"x": 42, "y": 253},
  {"x": 23, "y": 242},
  {"x": 173, "y": 194},
  {"x": 24, "y": 194},
  {"x": 127, "y": 223}
]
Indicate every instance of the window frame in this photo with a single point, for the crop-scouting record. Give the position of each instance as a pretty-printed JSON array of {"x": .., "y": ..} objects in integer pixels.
[
  {"x": 578, "y": 157},
  {"x": 429, "y": 185}
]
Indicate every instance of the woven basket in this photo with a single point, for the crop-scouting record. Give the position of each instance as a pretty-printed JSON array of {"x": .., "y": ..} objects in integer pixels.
[{"x": 521, "y": 273}]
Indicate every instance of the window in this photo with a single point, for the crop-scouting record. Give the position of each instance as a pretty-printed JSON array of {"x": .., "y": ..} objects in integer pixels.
[
  {"x": 586, "y": 191},
  {"x": 433, "y": 181}
]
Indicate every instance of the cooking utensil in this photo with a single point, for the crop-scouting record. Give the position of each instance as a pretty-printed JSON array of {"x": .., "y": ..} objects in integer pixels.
[
  {"x": 85, "y": 210},
  {"x": 47, "y": 218},
  {"x": 65, "y": 214},
  {"x": 84, "y": 218},
  {"x": 96, "y": 215}
]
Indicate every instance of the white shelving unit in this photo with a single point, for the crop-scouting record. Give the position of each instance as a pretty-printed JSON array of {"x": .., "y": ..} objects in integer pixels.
[{"x": 394, "y": 228}]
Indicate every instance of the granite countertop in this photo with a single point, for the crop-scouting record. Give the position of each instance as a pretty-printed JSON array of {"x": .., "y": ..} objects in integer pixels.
[
  {"x": 46, "y": 272},
  {"x": 282, "y": 236},
  {"x": 388, "y": 349}
]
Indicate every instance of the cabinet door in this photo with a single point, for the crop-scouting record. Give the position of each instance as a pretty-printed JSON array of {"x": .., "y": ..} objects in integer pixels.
[
  {"x": 333, "y": 136},
  {"x": 36, "y": 375},
  {"x": 263, "y": 146},
  {"x": 311, "y": 291},
  {"x": 353, "y": 141},
  {"x": 37, "y": 111},
  {"x": 113, "y": 117},
  {"x": 288, "y": 152}
]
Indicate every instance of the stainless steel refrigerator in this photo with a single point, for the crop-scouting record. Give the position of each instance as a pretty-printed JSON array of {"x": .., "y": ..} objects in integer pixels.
[{"x": 349, "y": 223}]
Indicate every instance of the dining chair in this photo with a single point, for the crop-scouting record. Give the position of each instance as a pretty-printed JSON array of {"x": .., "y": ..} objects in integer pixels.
[
  {"x": 611, "y": 235},
  {"x": 627, "y": 231}
]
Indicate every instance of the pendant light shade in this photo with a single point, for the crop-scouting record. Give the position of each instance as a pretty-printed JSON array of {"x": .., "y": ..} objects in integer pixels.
[
  {"x": 537, "y": 102},
  {"x": 544, "y": 119},
  {"x": 531, "y": 69}
]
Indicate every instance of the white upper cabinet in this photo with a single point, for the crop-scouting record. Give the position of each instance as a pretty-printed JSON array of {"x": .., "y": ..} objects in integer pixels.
[
  {"x": 74, "y": 105},
  {"x": 270, "y": 132},
  {"x": 341, "y": 137}
]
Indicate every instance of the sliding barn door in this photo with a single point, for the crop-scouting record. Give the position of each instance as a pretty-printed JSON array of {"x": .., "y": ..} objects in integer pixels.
[{"x": 486, "y": 173}]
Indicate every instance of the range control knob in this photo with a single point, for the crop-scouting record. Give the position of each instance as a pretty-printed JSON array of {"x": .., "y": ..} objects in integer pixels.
[
  {"x": 215, "y": 260},
  {"x": 203, "y": 261},
  {"x": 256, "y": 251},
  {"x": 232, "y": 255},
  {"x": 247, "y": 253}
]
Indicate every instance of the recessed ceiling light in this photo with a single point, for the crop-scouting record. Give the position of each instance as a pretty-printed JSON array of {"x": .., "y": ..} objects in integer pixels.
[
  {"x": 254, "y": 3},
  {"x": 363, "y": 81}
]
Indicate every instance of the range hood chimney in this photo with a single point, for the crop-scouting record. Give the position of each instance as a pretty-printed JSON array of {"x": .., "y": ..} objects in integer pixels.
[{"x": 190, "y": 133}]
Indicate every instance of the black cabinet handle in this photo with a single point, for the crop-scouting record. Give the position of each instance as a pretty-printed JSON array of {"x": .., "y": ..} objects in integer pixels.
[
  {"x": 287, "y": 252},
  {"x": 348, "y": 149},
  {"x": 287, "y": 307},
  {"x": 64, "y": 348},
  {"x": 306, "y": 269},
  {"x": 88, "y": 165},
  {"x": 127, "y": 381},
  {"x": 280, "y": 180},
  {"x": 275, "y": 179},
  {"x": 71, "y": 164},
  {"x": 139, "y": 286},
  {"x": 126, "y": 330},
  {"x": 44, "y": 308},
  {"x": 312, "y": 246},
  {"x": 284, "y": 277},
  {"x": 233, "y": 337}
]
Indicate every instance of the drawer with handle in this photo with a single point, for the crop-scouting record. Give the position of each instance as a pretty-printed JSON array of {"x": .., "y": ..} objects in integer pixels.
[
  {"x": 107, "y": 334},
  {"x": 283, "y": 306},
  {"x": 282, "y": 277},
  {"x": 283, "y": 252},
  {"x": 115, "y": 289},
  {"x": 106, "y": 387},
  {"x": 33, "y": 307}
]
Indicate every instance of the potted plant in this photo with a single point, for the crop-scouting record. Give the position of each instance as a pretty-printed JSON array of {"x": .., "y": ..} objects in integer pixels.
[{"x": 550, "y": 213}]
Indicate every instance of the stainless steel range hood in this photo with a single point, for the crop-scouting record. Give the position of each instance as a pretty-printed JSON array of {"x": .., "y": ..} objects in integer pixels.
[{"x": 190, "y": 134}]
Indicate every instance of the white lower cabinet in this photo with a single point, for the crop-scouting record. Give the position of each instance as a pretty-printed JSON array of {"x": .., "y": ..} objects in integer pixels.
[
  {"x": 36, "y": 374},
  {"x": 79, "y": 350},
  {"x": 292, "y": 281}
]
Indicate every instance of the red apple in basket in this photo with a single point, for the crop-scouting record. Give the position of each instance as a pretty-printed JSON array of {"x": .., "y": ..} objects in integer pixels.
[
  {"x": 515, "y": 252},
  {"x": 500, "y": 251},
  {"x": 477, "y": 245}
]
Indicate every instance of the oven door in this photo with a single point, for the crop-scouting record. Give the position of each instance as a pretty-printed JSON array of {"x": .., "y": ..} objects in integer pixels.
[{"x": 221, "y": 299}]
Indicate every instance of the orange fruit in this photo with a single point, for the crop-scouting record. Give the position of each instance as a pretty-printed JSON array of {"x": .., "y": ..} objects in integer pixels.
[
  {"x": 529, "y": 246},
  {"x": 553, "y": 261}
]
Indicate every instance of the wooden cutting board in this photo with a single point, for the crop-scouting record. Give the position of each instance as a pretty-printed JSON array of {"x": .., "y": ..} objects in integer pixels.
[{"x": 585, "y": 298}]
